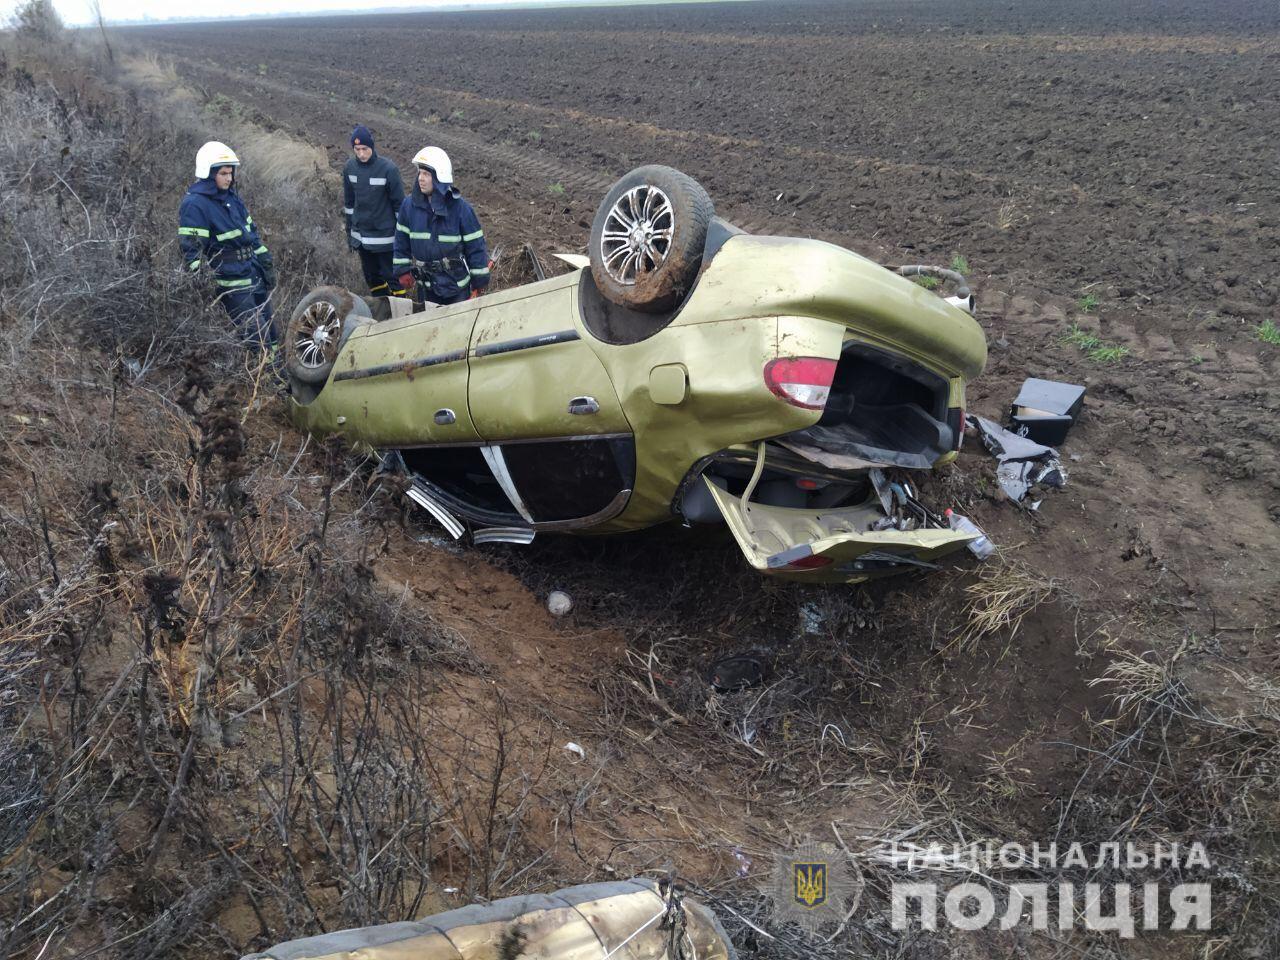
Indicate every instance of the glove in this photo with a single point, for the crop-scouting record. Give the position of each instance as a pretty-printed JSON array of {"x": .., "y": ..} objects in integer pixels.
[
  {"x": 474, "y": 294},
  {"x": 407, "y": 282},
  {"x": 352, "y": 243},
  {"x": 268, "y": 267}
]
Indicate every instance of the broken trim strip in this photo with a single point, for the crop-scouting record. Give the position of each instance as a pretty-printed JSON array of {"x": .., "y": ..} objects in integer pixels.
[
  {"x": 526, "y": 343},
  {"x": 404, "y": 366},
  {"x": 498, "y": 466}
]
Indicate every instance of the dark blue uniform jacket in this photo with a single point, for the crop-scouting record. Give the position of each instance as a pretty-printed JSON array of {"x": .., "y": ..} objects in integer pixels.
[
  {"x": 442, "y": 232},
  {"x": 215, "y": 229}
]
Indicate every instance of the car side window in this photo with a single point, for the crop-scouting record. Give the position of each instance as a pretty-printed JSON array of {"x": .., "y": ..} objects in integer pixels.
[{"x": 560, "y": 480}]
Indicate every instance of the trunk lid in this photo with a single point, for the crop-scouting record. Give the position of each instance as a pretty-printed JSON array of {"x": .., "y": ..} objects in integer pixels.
[{"x": 829, "y": 545}]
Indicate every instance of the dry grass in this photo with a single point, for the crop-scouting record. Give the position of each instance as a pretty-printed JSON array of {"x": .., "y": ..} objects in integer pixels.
[
  {"x": 1005, "y": 593},
  {"x": 217, "y": 732},
  {"x": 271, "y": 157},
  {"x": 155, "y": 72},
  {"x": 1009, "y": 217},
  {"x": 1139, "y": 682}
]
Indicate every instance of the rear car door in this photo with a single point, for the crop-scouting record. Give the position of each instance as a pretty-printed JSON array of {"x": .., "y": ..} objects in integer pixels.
[{"x": 555, "y": 432}]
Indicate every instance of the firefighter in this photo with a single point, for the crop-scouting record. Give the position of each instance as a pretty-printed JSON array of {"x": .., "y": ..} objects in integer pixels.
[
  {"x": 217, "y": 234},
  {"x": 440, "y": 250},
  {"x": 372, "y": 191}
]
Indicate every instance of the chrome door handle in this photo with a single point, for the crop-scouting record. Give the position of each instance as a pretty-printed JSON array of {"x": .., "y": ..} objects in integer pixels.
[
  {"x": 444, "y": 416},
  {"x": 584, "y": 405}
]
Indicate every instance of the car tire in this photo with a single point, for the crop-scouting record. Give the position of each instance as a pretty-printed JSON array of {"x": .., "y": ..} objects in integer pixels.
[
  {"x": 315, "y": 330},
  {"x": 647, "y": 238}
]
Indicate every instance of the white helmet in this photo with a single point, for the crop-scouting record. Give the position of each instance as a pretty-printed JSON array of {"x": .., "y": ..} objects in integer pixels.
[
  {"x": 437, "y": 161},
  {"x": 212, "y": 156}
]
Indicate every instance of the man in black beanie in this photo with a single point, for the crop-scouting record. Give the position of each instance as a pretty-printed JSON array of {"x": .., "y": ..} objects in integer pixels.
[{"x": 372, "y": 192}]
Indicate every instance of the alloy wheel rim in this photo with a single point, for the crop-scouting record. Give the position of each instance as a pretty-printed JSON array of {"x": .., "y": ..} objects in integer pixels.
[
  {"x": 637, "y": 234},
  {"x": 317, "y": 337}
]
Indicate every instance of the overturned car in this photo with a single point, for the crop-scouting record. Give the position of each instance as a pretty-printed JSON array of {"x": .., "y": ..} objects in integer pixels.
[{"x": 685, "y": 369}]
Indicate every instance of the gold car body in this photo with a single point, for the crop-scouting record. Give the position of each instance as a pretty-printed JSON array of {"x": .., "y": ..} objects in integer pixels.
[{"x": 508, "y": 367}]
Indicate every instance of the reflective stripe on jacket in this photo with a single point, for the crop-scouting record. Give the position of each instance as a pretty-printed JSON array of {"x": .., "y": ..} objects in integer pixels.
[
  {"x": 441, "y": 227},
  {"x": 371, "y": 193},
  {"x": 216, "y": 230}
]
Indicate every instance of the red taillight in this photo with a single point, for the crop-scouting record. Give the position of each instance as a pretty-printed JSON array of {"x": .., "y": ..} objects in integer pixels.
[
  {"x": 798, "y": 558},
  {"x": 801, "y": 381},
  {"x": 809, "y": 563}
]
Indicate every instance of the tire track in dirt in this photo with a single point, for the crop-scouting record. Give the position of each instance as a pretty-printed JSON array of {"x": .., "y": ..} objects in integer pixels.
[
  {"x": 523, "y": 161},
  {"x": 1128, "y": 43},
  {"x": 450, "y": 138},
  {"x": 1031, "y": 189},
  {"x": 526, "y": 160}
]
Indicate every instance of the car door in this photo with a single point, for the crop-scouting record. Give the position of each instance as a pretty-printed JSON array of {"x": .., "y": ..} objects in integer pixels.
[
  {"x": 829, "y": 545},
  {"x": 408, "y": 379},
  {"x": 555, "y": 432}
]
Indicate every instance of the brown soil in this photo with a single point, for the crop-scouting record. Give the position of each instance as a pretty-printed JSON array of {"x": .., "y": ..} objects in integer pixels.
[{"x": 1065, "y": 150}]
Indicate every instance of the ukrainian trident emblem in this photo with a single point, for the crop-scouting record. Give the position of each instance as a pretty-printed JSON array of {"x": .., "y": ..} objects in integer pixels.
[
  {"x": 815, "y": 885},
  {"x": 811, "y": 884}
]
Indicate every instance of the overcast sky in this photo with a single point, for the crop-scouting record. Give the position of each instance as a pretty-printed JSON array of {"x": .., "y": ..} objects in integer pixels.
[{"x": 77, "y": 11}]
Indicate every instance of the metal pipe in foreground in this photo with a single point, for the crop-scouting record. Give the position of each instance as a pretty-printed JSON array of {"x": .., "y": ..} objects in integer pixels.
[
  {"x": 942, "y": 273},
  {"x": 621, "y": 920}
]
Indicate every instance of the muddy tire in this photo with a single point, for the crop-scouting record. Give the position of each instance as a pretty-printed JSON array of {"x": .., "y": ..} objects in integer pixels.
[
  {"x": 647, "y": 238},
  {"x": 315, "y": 330}
]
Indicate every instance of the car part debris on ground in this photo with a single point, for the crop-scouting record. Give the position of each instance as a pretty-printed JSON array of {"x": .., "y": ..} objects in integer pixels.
[
  {"x": 535, "y": 262},
  {"x": 639, "y": 919},
  {"x": 1045, "y": 410},
  {"x": 981, "y": 546},
  {"x": 1023, "y": 463}
]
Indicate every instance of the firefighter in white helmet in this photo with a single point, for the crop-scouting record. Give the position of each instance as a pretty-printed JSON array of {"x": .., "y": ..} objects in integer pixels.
[
  {"x": 218, "y": 235},
  {"x": 440, "y": 249}
]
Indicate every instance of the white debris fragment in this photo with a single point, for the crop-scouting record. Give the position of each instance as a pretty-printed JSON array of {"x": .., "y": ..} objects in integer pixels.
[
  {"x": 576, "y": 749},
  {"x": 813, "y": 617},
  {"x": 559, "y": 603}
]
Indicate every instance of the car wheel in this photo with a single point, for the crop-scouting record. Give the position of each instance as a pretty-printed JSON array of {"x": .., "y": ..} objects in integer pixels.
[
  {"x": 647, "y": 238},
  {"x": 315, "y": 330}
]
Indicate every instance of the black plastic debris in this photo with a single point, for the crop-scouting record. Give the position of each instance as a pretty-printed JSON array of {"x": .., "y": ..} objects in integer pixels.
[
  {"x": 1045, "y": 410},
  {"x": 738, "y": 672},
  {"x": 1024, "y": 463}
]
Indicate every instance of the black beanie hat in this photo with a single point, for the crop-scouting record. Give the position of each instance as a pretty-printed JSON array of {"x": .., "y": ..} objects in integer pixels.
[{"x": 362, "y": 134}]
